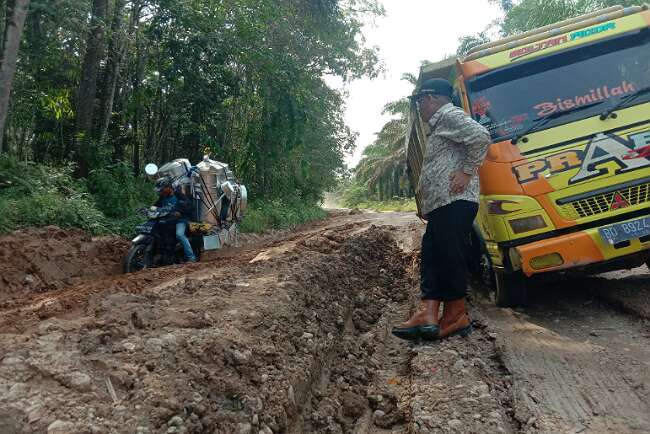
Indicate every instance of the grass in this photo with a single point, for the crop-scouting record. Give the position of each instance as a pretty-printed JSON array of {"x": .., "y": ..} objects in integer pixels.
[
  {"x": 355, "y": 195},
  {"x": 403, "y": 205},
  {"x": 262, "y": 216}
]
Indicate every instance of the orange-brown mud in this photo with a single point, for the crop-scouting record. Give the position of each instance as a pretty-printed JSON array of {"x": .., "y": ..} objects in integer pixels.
[
  {"x": 290, "y": 333},
  {"x": 39, "y": 260},
  {"x": 239, "y": 341}
]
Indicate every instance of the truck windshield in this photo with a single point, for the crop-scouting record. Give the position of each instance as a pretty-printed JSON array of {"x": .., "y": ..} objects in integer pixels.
[{"x": 507, "y": 101}]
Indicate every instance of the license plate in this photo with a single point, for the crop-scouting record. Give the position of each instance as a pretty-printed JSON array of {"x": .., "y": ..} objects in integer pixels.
[
  {"x": 211, "y": 242},
  {"x": 620, "y": 232}
]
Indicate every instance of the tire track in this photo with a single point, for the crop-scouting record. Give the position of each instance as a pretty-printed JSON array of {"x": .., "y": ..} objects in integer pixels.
[{"x": 577, "y": 364}]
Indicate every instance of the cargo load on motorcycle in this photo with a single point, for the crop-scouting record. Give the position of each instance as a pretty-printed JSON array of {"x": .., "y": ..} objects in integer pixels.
[{"x": 213, "y": 204}]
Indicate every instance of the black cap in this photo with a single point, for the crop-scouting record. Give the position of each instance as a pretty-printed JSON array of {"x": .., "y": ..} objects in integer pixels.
[
  {"x": 163, "y": 182},
  {"x": 435, "y": 86}
]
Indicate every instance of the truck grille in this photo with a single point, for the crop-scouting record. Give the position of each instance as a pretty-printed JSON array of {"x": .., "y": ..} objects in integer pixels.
[{"x": 601, "y": 203}]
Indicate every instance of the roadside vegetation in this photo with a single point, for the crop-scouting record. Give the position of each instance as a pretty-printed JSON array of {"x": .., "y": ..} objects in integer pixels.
[
  {"x": 106, "y": 202},
  {"x": 39, "y": 195},
  {"x": 99, "y": 88},
  {"x": 352, "y": 195},
  {"x": 277, "y": 214}
]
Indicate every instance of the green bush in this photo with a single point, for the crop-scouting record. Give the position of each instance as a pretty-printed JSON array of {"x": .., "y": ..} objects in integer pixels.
[
  {"x": 117, "y": 193},
  {"x": 263, "y": 215},
  {"x": 23, "y": 178},
  {"x": 355, "y": 194},
  {"x": 39, "y": 195},
  {"x": 76, "y": 211}
]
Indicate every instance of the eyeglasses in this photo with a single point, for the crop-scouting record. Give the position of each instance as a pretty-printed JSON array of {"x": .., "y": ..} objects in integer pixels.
[{"x": 421, "y": 98}]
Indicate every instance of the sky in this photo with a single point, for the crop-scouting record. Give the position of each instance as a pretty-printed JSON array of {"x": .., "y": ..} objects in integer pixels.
[{"x": 411, "y": 31}]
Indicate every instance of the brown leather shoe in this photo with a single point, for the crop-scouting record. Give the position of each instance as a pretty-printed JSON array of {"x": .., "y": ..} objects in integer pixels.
[
  {"x": 455, "y": 320},
  {"x": 422, "y": 324}
]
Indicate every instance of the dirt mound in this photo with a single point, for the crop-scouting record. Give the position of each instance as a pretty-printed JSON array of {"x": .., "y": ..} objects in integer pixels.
[
  {"x": 37, "y": 260},
  {"x": 281, "y": 345}
]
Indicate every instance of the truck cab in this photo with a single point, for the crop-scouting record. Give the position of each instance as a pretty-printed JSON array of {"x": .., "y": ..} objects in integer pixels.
[{"x": 566, "y": 181}]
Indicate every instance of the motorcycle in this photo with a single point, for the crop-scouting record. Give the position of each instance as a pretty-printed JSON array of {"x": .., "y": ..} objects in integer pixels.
[
  {"x": 219, "y": 202},
  {"x": 155, "y": 244}
]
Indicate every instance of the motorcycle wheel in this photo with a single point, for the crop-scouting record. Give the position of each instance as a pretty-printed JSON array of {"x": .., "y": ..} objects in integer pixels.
[{"x": 136, "y": 259}]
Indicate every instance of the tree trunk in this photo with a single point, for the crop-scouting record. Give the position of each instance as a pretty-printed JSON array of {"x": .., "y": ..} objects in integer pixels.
[
  {"x": 115, "y": 48},
  {"x": 12, "y": 34},
  {"x": 136, "y": 79},
  {"x": 88, "y": 87},
  {"x": 5, "y": 6}
]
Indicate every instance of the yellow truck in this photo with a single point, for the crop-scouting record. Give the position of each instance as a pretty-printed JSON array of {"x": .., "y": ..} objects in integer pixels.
[{"x": 566, "y": 181}]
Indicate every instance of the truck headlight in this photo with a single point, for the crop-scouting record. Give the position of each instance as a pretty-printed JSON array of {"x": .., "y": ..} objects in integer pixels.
[{"x": 527, "y": 224}]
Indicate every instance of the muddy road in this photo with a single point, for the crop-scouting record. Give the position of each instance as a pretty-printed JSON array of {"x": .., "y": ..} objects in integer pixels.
[
  {"x": 580, "y": 353},
  {"x": 290, "y": 333}
]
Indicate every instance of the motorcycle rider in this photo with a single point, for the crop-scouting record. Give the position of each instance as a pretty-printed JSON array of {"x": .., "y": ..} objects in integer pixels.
[{"x": 182, "y": 210}]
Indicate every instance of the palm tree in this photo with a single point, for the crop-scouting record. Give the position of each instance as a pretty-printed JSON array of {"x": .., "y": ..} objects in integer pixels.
[{"x": 382, "y": 165}]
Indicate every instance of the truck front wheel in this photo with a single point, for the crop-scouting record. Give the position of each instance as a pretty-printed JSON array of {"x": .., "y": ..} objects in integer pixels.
[{"x": 510, "y": 288}]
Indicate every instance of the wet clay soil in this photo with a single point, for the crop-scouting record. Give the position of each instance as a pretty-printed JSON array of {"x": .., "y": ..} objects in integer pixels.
[{"x": 290, "y": 333}]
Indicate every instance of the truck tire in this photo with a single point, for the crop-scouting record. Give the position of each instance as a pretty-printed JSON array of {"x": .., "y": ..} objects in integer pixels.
[
  {"x": 486, "y": 275},
  {"x": 510, "y": 289},
  {"x": 480, "y": 263}
]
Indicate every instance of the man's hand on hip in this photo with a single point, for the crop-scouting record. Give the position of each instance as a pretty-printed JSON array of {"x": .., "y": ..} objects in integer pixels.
[{"x": 458, "y": 181}]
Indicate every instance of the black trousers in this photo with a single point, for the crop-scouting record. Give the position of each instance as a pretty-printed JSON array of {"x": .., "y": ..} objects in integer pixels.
[{"x": 443, "y": 270}]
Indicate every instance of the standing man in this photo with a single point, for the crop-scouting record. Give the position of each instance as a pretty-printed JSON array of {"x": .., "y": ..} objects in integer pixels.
[
  {"x": 449, "y": 187},
  {"x": 182, "y": 210}
]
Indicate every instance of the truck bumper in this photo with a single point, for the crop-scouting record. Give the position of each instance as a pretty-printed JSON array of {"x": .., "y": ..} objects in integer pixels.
[{"x": 576, "y": 250}]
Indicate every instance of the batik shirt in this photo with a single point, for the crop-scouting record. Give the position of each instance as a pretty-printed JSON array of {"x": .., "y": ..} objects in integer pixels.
[{"x": 456, "y": 142}]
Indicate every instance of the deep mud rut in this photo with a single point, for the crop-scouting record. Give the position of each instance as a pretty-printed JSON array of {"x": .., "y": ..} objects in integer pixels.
[{"x": 290, "y": 333}]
